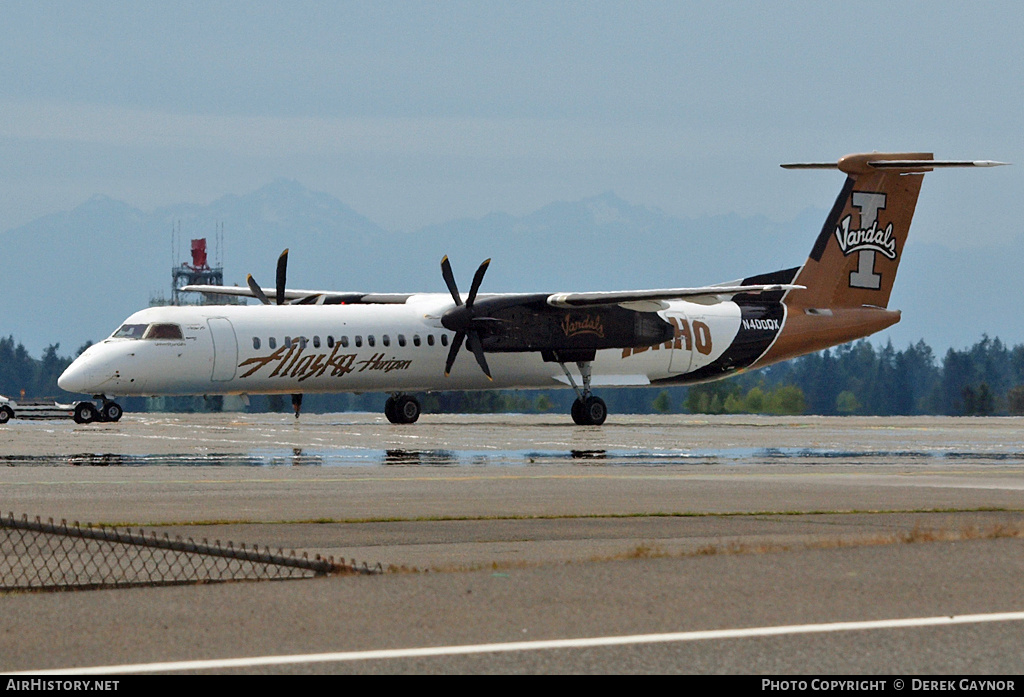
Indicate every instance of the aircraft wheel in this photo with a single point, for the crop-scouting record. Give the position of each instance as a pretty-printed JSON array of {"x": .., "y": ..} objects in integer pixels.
[
  {"x": 6, "y": 414},
  {"x": 577, "y": 412},
  {"x": 596, "y": 411},
  {"x": 85, "y": 413},
  {"x": 111, "y": 411},
  {"x": 407, "y": 409},
  {"x": 589, "y": 412},
  {"x": 389, "y": 410}
]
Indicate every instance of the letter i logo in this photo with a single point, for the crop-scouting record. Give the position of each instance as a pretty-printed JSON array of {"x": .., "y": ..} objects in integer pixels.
[{"x": 865, "y": 276}]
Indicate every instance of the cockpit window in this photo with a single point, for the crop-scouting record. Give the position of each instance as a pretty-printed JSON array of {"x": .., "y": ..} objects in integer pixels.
[
  {"x": 163, "y": 331},
  {"x": 149, "y": 331},
  {"x": 130, "y": 331}
]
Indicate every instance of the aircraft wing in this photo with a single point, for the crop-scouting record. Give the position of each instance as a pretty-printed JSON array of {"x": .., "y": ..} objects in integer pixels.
[
  {"x": 639, "y": 300},
  {"x": 653, "y": 300},
  {"x": 236, "y": 291},
  {"x": 317, "y": 297}
]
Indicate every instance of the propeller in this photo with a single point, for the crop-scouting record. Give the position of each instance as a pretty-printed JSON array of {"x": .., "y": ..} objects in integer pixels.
[
  {"x": 462, "y": 318},
  {"x": 282, "y": 273}
]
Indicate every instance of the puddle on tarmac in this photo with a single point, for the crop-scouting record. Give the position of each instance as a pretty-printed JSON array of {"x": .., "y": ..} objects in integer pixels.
[{"x": 365, "y": 457}]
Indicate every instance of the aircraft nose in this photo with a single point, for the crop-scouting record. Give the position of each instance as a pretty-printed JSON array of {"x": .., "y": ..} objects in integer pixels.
[
  {"x": 85, "y": 375},
  {"x": 74, "y": 378}
]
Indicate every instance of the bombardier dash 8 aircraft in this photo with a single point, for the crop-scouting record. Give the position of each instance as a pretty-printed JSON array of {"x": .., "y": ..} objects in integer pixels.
[{"x": 306, "y": 341}]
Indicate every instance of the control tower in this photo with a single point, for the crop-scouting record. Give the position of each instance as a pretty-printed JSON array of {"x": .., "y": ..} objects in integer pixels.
[{"x": 198, "y": 272}]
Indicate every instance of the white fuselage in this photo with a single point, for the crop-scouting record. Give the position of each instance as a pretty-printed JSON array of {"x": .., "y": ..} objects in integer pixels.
[{"x": 267, "y": 349}]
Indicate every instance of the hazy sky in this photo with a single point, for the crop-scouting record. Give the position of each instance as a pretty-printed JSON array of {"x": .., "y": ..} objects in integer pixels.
[{"x": 414, "y": 113}]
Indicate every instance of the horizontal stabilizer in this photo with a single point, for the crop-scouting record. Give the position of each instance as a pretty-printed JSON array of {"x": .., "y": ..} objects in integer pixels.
[
  {"x": 919, "y": 165},
  {"x": 902, "y": 164}
]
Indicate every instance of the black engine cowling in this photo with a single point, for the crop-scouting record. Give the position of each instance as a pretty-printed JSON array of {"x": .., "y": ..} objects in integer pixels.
[{"x": 533, "y": 325}]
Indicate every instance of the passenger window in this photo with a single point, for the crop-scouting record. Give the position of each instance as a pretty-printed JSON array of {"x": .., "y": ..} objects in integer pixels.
[
  {"x": 370, "y": 341},
  {"x": 401, "y": 339},
  {"x": 273, "y": 342},
  {"x": 288, "y": 342},
  {"x": 330, "y": 342},
  {"x": 302, "y": 342},
  {"x": 256, "y": 343},
  {"x": 344, "y": 342},
  {"x": 163, "y": 331},
  {"x": 430, "y": 339},
  {"x": 386, "y": 340},
  {"x": 316, "y": 342},
  {"x": 359, "y": 341},
  {"x": 416, "y": 340},
  {"x": 444, "y": 339}
]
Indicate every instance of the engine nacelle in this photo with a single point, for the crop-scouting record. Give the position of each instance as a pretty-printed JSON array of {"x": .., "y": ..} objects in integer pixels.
[{"x": 536, "y": 326}]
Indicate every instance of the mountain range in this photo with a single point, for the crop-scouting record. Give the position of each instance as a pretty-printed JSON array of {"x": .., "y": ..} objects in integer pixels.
[{"x": 73, "y": 276}]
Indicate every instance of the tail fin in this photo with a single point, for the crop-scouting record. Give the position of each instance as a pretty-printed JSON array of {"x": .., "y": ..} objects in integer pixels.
[
  {"x": 848, "y": 277},
  {"x": 854, "y": 260}
]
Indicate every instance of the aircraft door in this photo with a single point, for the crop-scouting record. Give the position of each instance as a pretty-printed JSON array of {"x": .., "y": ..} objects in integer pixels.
[
  {"x": 682, "y": 342},
  {"x": 225, "y": 349}
]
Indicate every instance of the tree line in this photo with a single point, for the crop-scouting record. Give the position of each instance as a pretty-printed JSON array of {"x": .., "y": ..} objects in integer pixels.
[
  {"x": 24, "y": 377},
  {"x": 860, "y": 378},
  {"x": 855, "y": 378}
]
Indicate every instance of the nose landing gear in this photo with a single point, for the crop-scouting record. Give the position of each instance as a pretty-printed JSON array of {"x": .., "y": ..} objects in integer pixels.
[
  {"x": 111, "y": 411},
  {"x": 87, "y": 412}
]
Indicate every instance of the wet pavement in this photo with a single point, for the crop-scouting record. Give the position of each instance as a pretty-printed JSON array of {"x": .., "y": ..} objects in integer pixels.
[
  {"x": 506, "y": 527},
  {"x": 367, "y": 440}
]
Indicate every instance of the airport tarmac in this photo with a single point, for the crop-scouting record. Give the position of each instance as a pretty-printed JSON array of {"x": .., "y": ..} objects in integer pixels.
[{"x": 511, "y": 527}]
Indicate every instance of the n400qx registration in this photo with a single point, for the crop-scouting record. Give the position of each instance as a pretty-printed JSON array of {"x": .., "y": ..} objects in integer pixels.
[{"x": 304, "y": 341}]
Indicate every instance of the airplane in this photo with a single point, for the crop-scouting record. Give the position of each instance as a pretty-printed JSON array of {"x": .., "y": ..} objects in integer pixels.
[{"x": 310, "y": 341}]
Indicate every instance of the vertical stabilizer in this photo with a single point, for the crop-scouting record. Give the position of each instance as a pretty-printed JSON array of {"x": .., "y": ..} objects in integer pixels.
[
  {"x": 848, "y": 277},
  {"x": 854, "y": 260}
]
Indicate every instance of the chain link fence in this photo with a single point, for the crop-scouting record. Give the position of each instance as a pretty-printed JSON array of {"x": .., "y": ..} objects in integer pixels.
[{"x": 46, "y": 556}]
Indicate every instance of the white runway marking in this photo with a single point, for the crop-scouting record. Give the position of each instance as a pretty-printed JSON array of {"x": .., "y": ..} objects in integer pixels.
[{"x": 221, "y": 664}]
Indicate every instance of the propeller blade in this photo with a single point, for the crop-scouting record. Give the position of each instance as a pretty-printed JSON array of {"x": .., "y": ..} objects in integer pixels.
[
  {"x": 282, "y": 272},
  {"x": 473, "y": 339},
  {"x": 453, "y": 352},
  {"x": 308, "y": 300},
  {"x": 478, "y": 277},
  {"x": 449, "y": 279},
  {"x": 256, "y": 290}
]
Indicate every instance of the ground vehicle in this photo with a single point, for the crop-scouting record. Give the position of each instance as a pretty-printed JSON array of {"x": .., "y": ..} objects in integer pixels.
[
  {"x": 81, "y": 412},
  {"x": 9, "y": 409}
]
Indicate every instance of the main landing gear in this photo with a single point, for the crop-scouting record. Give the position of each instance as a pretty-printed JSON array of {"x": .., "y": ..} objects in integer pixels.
[
  {"x": 587, "y": 410},
  {"x": 87, "y": 412},
  {"x": 402, "y": 409}
]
